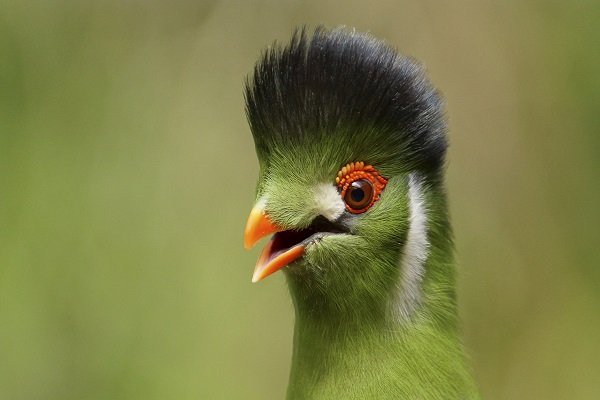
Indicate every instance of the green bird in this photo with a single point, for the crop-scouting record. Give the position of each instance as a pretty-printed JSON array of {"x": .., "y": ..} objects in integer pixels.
[{"x": 351, "y": 140}]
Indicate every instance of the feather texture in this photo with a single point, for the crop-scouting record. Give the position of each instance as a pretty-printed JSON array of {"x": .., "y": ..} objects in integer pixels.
[
  {"x": 342, "y": 83},
  {"x": 374, "y": 297}
]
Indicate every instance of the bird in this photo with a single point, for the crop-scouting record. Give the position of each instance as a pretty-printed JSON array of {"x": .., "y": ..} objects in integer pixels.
[{"x": 351, "y": 140}]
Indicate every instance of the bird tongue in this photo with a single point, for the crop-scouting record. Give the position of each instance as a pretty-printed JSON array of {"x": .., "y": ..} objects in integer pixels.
[{"x": 283, "y": 248}]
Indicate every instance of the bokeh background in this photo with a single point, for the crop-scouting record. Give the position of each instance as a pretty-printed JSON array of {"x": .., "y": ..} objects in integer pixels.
[{"x": 127, "y": 171}]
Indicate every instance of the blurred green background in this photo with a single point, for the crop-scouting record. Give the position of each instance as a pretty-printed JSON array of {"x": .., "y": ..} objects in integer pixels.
[{"x": 127, "y": 171}]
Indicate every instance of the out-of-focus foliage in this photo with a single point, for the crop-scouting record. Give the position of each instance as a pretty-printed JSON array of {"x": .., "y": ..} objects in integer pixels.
[{"x": 127, "y": 170}]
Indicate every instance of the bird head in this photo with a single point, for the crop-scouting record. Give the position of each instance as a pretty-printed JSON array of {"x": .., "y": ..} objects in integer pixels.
[{"x": 350, "y": 139}]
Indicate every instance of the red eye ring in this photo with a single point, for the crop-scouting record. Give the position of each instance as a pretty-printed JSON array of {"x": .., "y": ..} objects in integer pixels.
[{"x": 363, "y": 175}]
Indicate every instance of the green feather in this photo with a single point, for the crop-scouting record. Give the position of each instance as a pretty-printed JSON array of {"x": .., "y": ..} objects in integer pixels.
[{"x": 352, "y": 339}]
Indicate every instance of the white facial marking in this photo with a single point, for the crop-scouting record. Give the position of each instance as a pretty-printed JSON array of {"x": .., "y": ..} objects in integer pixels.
[
  {"x": 415, "y": 251},
  {"x": 261, "y": 202},
  {"x": 328, "y": 201}
]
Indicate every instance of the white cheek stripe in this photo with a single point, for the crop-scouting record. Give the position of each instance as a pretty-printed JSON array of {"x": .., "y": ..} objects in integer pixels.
[
  {"x": 328, "y": 201},
  {"x": 415, "y": 251}
]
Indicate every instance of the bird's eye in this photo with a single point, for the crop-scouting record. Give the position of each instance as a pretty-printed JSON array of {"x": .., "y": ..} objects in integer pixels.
[
  {"x": 359, "y": 194},
  {"x": 360, "y": 186}
]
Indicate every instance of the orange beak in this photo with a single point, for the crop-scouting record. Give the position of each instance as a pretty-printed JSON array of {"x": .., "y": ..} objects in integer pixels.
[{"x": 271, "y": 260}]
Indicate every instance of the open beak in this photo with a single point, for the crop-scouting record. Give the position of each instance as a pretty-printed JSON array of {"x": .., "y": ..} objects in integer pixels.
[{"x": 278, "y": 253}]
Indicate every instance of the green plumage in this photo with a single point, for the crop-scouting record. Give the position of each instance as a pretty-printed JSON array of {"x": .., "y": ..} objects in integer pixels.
[{"x": 353, "y": 339}]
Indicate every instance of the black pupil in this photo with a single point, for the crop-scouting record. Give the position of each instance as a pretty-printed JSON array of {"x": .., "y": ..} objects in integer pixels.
[{"x": 357, "y": 194}]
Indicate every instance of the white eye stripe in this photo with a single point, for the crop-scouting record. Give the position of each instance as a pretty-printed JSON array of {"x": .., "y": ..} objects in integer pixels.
[
  {"x": 328, "y": 202},
  {"x": 415, "y": 251}
]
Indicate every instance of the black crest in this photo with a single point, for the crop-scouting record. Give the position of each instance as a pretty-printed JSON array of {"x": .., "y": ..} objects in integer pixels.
[{"x": 348, "y": 84}]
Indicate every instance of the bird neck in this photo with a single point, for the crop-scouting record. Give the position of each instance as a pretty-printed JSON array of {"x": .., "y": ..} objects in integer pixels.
[
  {"x": 378, "y": 355},
  {"x": 377, "y": 361}
]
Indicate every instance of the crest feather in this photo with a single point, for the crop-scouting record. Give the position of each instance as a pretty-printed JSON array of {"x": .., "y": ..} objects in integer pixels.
[{"x": 349, "y": 84}]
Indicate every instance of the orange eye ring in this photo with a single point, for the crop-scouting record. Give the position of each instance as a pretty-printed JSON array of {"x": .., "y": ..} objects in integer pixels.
[{"x": 360, "y": 186}]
